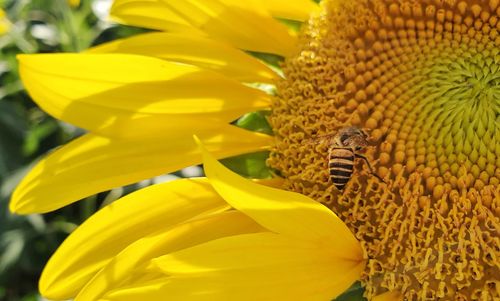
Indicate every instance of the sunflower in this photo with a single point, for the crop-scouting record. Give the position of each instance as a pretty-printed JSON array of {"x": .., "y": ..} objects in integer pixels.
[{"x": 421, "y": 76}]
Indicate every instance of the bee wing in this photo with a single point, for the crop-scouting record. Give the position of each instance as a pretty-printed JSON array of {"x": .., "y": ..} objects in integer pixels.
[{"x": 319, "y": 139}]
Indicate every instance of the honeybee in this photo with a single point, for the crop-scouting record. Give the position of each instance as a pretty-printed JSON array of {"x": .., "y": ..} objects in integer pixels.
[{"x": 344, "y": 148}]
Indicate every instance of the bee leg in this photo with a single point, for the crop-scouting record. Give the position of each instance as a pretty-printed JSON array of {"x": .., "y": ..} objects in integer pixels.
[{"x": 369, "y": 166}]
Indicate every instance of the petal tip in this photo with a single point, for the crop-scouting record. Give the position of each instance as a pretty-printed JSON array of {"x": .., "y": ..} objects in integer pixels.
[
  {"x": 44, "y": 286},
  {"x": 47, "y": 290},
  {"x": 22, "y": 202},
  {"x": 19, "y": 209},
  {"x": 13, "y": 207},
  {"x": 16, "y": 204},
  {"x": 204, "y": 152}
]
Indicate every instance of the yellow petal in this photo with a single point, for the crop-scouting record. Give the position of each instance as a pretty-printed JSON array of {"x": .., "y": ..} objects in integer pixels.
[
  {"x": 282, "y": 211},
  {"x": 92, "y": 163},
  {"x": 131, "y": 95},
  {"x": 261, "y": 266},
  {"x": 149, "y": 14},
  {"x": 152, "y": 14},
  {"x": 389, "y": 296},
  {"x": 243, "y": 26},
  {"x": 195, "y": 50},
  {"x": 299, "y": 10},
  {"x": 124, "y": 265},
  {"x": 110, "y": 230},
  {"x": 275, "y": 182}
]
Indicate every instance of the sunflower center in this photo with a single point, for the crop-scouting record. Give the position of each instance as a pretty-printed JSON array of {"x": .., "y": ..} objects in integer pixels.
[
  {"x": 423, "y": 78},
  {"x": 450, "y": 109}
]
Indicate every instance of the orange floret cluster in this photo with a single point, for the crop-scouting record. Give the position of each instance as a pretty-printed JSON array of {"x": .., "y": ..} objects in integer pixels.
[{"x": 423, "y": 77}]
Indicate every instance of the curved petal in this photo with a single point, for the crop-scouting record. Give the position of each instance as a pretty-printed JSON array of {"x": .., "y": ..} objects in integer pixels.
[
  {"x": 131, "y": 95},
  {"x": 113, "y": 228},
  {"x": 92, "y": 163},
  {"x": 152, "y": 14},
  {"x": 275, "y": 182},
  {"x": 149, "y": 14},
  {"x": 194, "y": 50},
  {"x": 260, "y": 266},
  {"x": 299, "y": 10},
  {"x": 124, "y": 266},
  {"x": 243, "y": 25},
  {"x": 282, "y": 211}
]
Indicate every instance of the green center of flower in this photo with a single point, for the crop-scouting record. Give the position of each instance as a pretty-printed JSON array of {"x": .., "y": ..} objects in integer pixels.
[
  {"x": 448, "y": 114},
  {"x": 462, "y": 105}
]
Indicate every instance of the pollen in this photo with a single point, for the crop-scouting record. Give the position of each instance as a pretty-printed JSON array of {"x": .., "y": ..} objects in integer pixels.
[{"x": 423, "y": 79}]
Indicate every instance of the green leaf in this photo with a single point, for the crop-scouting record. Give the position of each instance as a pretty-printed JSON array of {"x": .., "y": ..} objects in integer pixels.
[
  {"x": 255, "y": 121},
  {"x": 12, "y": 244},
  {"x": 9, "y": 183},
  {"x": 31, "y": 297},
  {"x": 250, "y": 165},
  {"x": 292, "y": 24},
  {"x": 12, "y": 119},
  {"x": 37, "y": 134},
  {"x": 12, "y": 131},
  {"x": 354, "y": 293},
  {"x": 269, "y": 58}
]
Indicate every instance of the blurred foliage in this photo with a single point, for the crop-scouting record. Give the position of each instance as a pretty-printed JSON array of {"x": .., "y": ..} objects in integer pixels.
[
  {"x": 252, "y": 165},
  {"x": 256, "y": 121}
]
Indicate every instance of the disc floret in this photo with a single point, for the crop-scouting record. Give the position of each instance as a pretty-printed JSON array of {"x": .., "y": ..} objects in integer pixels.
[{"x": 423, "y": 78}]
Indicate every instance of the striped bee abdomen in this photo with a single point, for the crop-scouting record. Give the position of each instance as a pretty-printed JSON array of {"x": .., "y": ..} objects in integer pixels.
[{"x": 341, "y": 165}]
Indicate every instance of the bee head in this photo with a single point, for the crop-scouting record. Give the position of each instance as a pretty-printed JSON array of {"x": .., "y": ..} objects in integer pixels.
[{"x": 352, "y": 137}]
